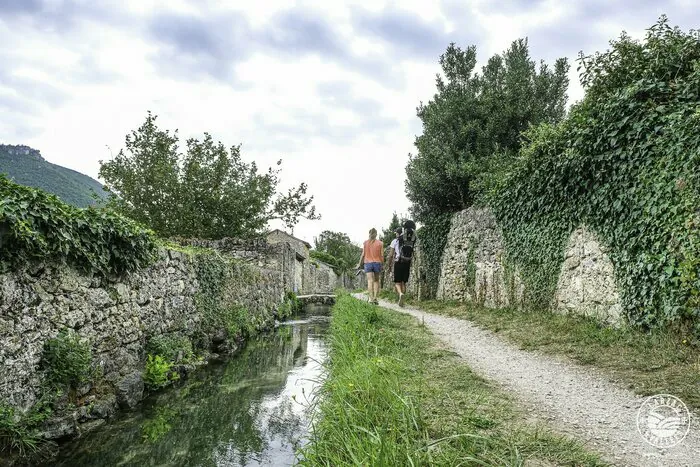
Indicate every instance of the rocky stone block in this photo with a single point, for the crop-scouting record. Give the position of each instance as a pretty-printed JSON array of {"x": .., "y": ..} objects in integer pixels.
[
  {"x": 60, "y": 427},
  {"x": 104, "y": 407},
  {"x": 130, "y": 390}
]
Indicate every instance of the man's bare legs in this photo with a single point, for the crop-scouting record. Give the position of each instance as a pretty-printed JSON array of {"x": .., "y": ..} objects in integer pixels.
[{"x": 401, "y": 290}]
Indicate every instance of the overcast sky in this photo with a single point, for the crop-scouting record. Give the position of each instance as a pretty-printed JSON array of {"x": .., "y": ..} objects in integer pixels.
[{"x": 329, "y": 87}]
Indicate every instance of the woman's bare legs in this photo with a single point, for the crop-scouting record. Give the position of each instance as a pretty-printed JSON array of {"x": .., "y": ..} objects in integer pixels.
[{"x": 370, "y": 286}]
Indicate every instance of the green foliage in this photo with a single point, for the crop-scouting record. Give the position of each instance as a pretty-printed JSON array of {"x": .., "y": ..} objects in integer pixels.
[
  {"x": 158, "y": 372},
  {"x": 338, "y": 246},
  {"x": 214, "y": 272},
  {"x": 35, "y": 225},
  {"x": 18, "y": 431},
  {"x": 625, "y": 164},
  {"x": 471, "y": 131},
  {"x": 237, "y": 322},
  {"x": 25, "y": 166},
  {"x": 290, "y": 306},
  {"x": 389, "y": 234},
  {"x": 67, "y": 360},
  {"x": 432, "y": 239},
  {"x": 208, "y": 192},
  {"x": 472, "y": 126},
  {"x": 175, "y": 348},
  {"x": 328, "y": 259}
]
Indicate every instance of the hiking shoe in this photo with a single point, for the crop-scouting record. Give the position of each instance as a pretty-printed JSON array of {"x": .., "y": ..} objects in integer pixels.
[{"x": 401, "y": 301}]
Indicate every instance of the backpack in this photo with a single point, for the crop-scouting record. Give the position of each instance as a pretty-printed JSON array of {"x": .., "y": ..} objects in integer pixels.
[{"x": 407, "y": 241}]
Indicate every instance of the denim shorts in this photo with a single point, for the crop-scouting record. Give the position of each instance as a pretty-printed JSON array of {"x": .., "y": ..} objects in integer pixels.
[{"x": 373, "y": 267}]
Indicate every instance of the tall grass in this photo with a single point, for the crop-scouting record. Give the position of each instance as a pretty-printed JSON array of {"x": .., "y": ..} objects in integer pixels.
[{"x": 392, "y": 397}]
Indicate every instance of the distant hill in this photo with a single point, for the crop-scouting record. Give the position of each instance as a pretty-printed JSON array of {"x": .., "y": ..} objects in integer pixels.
[{"x": 25, "y": 166}]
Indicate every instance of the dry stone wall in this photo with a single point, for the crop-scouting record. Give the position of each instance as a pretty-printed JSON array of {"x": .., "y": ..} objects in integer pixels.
[
  {"x": 115, "y": 317},
  {"x": 473, "y": 270},
  {"x": 472, "y": 263},
  {"x": 587, "y": 279}
]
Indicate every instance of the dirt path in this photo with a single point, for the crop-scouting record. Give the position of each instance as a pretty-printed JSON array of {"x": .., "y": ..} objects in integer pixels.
[{"x": 574, "y": 400}]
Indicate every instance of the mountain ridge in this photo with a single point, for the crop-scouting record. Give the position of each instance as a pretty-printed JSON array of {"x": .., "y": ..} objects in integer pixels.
[{"x": 26, "y": 166}]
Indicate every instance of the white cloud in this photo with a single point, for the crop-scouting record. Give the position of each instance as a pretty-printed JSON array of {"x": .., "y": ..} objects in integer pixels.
[{"x": 77, "y": 78}]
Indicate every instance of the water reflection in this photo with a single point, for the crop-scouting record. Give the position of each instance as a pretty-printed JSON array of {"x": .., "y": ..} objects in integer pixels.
[{"x": 248, "y": 411}]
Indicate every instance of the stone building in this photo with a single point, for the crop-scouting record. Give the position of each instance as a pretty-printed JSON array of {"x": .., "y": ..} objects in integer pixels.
[{"x": 301, "y": 249}]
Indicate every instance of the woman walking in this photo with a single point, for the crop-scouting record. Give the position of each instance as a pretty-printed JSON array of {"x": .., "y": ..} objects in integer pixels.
[{"x": 372, "y": 257}]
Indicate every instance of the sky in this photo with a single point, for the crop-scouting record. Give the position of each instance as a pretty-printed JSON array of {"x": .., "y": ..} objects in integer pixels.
[{"x": 331, "y": 88}]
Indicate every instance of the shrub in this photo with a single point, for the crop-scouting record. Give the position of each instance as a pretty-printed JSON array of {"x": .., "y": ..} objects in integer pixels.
[
  {"x": 67, "y": 360},
  {"x": 238, "y": 322},
  {"x": 175, "y": 347},
  {"x": 159, "y": 372}
]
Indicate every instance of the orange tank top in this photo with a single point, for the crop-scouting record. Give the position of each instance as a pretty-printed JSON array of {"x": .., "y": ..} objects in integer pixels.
[{"x": 373, "y": 251}]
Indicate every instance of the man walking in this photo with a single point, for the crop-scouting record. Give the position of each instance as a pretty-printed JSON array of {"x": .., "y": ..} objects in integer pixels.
[{"x": 402, "y": 247}]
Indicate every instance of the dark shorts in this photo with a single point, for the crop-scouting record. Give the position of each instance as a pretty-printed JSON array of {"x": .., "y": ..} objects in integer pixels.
[
  {"x": 373, "y": 267},
  {"x": 401, "y": 271}
]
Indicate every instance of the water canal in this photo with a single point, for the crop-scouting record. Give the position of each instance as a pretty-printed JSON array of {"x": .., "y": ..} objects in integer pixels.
[{"x": 250, "y": 410}]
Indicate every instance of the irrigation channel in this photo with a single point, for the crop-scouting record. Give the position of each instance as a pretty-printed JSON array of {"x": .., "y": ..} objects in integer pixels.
[{"x": 252, "y": 409}]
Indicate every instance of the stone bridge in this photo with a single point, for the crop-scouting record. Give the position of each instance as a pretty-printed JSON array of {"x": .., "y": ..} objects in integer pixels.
[{"x": 318, "y": 299}]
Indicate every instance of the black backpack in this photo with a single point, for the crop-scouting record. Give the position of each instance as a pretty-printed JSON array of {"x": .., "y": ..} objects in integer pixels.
[{"x": 407, "y": 241}]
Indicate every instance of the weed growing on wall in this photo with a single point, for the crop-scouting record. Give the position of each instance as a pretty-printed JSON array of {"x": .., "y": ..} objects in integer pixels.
[
  {"x": 158, "y": 372},
  {"x": 35, "y": 225},
  {"x": 67, "y": 360},
  {"x": 213, "y": 273},
  {"x": 175, "y": 347},
  {"x": 290, "y": 306},
  {"x": 624, "y": 163}
]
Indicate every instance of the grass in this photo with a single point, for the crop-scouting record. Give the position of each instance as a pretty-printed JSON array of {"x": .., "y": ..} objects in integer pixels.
[
  {"x": 646, "y": 363},
  {"x": 394, "y": 396}
]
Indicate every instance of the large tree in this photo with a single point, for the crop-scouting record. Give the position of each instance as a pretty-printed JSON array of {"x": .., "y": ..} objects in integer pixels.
[
  {"x": 208, "y": 192},
  {"x": 472, "y": 126},
  {"x": 339, "y": 246}
]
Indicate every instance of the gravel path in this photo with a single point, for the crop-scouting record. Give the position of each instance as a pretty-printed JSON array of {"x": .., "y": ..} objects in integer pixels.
[{"x": 572, "y": 399}]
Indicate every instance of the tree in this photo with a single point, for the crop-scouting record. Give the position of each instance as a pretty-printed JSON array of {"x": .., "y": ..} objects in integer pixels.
[
  {"x": 208, "y": 192},
  {"x": 472, "y": 127},
  {"x": 388, "y": 233},
  {"x": 339, "y": 246}
]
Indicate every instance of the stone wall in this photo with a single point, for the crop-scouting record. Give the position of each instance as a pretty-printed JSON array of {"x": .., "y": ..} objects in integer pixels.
[
  {"x": 473, "y": 270},
  {"x": 116, "y": 317},
  {"x": 587, "y": 279},
  {"x": 472, "y": 267}
]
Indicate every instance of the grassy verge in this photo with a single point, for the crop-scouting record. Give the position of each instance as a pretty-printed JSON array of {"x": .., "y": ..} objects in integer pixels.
[
  {"x": 393, "y": 396},
  {"x": 647, "y": 363}
]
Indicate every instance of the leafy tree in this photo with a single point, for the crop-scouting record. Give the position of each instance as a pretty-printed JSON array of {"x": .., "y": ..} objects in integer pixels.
[
  {"x": 339, "y": 246},
  {"x": 472, "y": 127},
  {"x": 388, "y": 233},
  {"x": 209, "y": 192}
]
